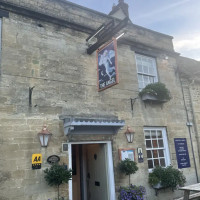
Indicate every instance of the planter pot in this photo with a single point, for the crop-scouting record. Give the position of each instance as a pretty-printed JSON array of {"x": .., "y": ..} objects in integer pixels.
[
  {"x": 61, "y": 198},
  {"x": 152, "y": 98},
  {"x": 157, "y": 186}
]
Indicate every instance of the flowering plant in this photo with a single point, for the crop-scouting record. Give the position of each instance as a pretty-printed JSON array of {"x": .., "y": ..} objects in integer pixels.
[{"x": 132, "y": 192}]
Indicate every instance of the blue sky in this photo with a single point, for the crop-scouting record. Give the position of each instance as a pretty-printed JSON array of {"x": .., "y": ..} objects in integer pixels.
[{"x": 178, "y": 18}]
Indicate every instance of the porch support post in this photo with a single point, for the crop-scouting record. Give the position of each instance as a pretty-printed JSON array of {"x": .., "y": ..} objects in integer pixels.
[{"x": 111, "y": 179}]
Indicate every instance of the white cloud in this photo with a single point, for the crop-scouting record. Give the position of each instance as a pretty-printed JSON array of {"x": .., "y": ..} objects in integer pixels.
[{"x": 188, "y": 45}]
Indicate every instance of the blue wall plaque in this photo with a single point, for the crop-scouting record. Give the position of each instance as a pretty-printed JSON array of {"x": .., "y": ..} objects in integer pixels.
[{"x": 182, "y": 154}]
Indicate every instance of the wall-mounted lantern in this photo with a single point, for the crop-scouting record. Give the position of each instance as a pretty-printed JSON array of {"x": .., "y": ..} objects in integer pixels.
[
  {"x": 129, "y": 134},
  {"x": 44, "y": 136}
]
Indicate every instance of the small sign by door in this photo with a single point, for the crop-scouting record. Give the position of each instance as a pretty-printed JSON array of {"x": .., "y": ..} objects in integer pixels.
[
  {"x": 127, "y": 153},
  {"x": 53, "y": 159},
  {"x": 140, "y": 155},
  {"x": 36, "y": 161}
]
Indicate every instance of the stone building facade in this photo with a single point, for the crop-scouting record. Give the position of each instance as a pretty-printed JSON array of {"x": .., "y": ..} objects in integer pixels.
[
  {"x": 43, "y": 47},
  {"x": 188, "y": 70}
]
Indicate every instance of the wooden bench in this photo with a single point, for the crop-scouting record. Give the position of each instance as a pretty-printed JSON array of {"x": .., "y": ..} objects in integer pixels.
[
  {"x": 192, "y": 196},
  {"x": 191, "y": 188}
]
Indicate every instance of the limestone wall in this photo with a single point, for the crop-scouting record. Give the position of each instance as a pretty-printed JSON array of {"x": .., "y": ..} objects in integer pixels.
[
  {"x": 53, "y": 59},
  {"x": 71, "y": 12}
]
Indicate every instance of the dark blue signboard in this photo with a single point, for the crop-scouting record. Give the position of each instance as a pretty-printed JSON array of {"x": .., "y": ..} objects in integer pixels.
[
  {"x": 107, "y": 65},
  {"x": 182, "y": 154}
]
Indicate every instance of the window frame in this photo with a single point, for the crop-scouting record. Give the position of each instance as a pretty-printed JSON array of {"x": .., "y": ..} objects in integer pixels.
[
  {"x": 165, "y": 144},
  {"x": 155, "y": 75}
]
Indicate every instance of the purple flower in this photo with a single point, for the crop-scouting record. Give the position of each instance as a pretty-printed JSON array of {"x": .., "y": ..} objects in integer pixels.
[{"x": 132, "y": 192}]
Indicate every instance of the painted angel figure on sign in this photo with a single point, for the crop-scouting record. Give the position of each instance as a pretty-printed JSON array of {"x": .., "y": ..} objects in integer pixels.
[
  {"x": 107, "y": 65},
  {"x": 106, "y": 60}
]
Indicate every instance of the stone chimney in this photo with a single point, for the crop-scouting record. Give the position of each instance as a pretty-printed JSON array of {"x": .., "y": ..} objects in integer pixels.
[{"x": 120, "y": 10}]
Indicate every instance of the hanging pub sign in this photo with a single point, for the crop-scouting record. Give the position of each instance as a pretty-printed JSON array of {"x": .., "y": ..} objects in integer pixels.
[
  {"x": 107, "y": 65},
  {"x": 182, "y": 154}
]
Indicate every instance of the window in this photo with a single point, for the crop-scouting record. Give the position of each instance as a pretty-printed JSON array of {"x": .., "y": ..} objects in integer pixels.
[
  {"x": 156, "y": 147},
  {"x": 146, "y": 70}
]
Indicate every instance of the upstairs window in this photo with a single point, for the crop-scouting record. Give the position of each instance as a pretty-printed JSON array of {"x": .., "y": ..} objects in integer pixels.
[
  {"x": 146, "y": 70},
  {"x": 156, "y": 147}
]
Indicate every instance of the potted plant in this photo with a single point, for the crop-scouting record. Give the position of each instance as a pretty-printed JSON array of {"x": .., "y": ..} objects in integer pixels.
[
  {"x": 168, "y": 177},
  {"x": 131, "y": 192},
  {"x": 128, "y": 167},
  {"x": 155, "y": 92},
  {"x": 155, "y": 177},
  {"x": 57, "y": 175}
]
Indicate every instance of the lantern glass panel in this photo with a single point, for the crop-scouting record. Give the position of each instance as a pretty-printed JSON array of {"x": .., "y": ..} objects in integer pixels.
[
  {"x": 41, "y": 140},
  {"x": 129, "y": 137},
  {"x": 46, "y": 139}
]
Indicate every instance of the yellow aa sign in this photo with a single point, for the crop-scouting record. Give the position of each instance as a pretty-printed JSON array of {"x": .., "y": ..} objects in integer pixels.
[{"x": 36, "y": 158}]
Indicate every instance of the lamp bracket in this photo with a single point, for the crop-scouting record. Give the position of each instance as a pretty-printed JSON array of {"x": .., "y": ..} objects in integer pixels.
[
  {"x": 132, "y": 103},
  {"x": 30, "y": 95}
]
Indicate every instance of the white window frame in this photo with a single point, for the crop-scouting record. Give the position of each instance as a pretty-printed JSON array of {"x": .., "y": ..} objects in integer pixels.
[
  {"x": 149, "y": 75},
  {"x": 165, "y": 143}
]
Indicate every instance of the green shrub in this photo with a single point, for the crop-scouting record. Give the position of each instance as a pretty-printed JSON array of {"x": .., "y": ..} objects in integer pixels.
[
  {"x": 169, "y": 177},
  {"x": 158, "y": 90},
  {"x": 57, "y": 175},
  {"x": 128, "y": 167}
]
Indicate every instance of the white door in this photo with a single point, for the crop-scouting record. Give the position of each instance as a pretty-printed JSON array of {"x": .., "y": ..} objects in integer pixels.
[{"x": 96, "y": 172}]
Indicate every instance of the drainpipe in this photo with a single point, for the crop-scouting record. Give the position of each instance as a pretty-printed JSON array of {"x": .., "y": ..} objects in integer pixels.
[
  {"x": 194, "y": 119},
  {"x": 189, "y": 130}
]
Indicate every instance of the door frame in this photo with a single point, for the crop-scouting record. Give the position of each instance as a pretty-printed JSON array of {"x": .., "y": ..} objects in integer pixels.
[{"x": 110, "y": 170}]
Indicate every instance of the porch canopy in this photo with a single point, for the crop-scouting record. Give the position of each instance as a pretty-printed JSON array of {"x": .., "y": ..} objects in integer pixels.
[{"x": 91, "y": 126}]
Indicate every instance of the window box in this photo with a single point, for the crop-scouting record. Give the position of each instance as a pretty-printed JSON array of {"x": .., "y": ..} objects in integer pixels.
[
  {"x": 155, "y": 92},
  {"x": 158, "y": 186},
  {"x": 152, "y": 98}
]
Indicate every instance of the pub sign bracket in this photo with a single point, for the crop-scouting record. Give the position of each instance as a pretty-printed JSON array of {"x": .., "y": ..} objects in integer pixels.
[{"x": 105, "y": 33}]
